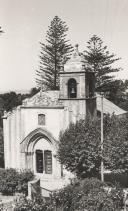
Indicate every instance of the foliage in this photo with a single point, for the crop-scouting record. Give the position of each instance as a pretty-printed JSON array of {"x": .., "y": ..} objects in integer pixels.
[
  {"x": 8, "y": 181},
  {"x": 33, "y": 91},
  {"x": 116, "y": 143},
  {"x": 80, "y": 149},
  {"x": 99, "y": 60},
  {"x": 102, "y": 62},
  {"x": 1, "y": 149},
  {"x": 117, "y": 178},
  {"x": 119, "y": 95},
  {"x": 88, "y": 194},
  {"x": 11, "y": 181},
  {"x": 52, "y": 54},
  {"x": 23, "y": 177},
  {"x": 63, "y": 198},
  {"x": 38, "y": 204},
  {"x": 10, "y": 100}
]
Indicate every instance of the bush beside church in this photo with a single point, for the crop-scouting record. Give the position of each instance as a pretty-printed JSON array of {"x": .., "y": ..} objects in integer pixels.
[
  {"x": 12, "y": 181},
  {"x": 88, "y": 194}
]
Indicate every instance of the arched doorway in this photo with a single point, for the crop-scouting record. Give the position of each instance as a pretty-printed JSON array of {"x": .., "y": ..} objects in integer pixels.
[
  {"x": 39, "y": 149},
  {"x": 43, "y": 157}
]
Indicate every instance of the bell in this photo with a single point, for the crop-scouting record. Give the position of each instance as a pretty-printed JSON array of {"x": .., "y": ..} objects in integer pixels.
[{"x": 73, "y": 90}]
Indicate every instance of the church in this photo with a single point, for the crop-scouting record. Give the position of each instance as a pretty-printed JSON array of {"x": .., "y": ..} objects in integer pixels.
[{"x": 31, "y": 131}]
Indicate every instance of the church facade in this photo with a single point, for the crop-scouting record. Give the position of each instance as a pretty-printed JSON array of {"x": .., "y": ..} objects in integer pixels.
[{"x": 31, "y": 131}]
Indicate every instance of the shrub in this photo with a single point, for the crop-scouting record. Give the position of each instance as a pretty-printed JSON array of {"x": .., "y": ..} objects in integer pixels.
[
  {"x": 121, "y": 178},
  {"x": 8, "y": 181},
  {"x": 38, "y": 204},
  {"x": 11, "y": 181},
  {"x": 80, "y": 146},
  {"x": 23, "y": 177},
  {"x": 88, "y": 194}
]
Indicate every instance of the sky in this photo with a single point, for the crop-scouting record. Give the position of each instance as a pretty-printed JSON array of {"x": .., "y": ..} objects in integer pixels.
[{"x": 25, "y": 23}]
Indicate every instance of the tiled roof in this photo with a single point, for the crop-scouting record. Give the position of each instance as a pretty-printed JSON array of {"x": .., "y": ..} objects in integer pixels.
[{"x": 108, "y": 106}]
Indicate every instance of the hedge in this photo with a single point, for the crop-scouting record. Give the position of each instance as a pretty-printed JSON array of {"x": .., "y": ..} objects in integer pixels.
[{"x": 12, "y": 181}]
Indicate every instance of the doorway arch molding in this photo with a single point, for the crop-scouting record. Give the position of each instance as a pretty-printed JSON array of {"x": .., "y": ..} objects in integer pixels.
[{"x": 27, "y": 145}]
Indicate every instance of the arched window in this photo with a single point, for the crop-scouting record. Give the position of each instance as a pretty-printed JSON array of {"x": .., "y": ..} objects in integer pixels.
[{"x": 72, "y": 88}]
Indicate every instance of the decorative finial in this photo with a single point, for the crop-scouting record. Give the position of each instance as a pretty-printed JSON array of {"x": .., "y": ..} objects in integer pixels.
[
  {"x": 76, "y": 47},
  {"x": 76, "y": 51}
]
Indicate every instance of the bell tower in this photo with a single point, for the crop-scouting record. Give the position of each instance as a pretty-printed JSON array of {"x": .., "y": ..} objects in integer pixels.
[{"x": 77, "y": 86}]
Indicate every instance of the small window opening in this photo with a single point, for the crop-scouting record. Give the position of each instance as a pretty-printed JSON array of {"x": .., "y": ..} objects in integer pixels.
[
  {"x": 72, "y": 88},
  {"x": 41, "y": 119}
]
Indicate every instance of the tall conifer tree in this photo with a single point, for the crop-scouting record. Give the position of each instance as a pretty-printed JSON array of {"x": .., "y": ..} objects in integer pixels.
[
  {"x": 100, "y": 61},
  {"x": 56, "y": 50}
]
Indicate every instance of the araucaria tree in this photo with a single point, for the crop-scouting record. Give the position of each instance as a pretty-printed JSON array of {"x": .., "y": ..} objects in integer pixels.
[
  {"x": 100, "y": 60},
  {"x": 56, "y": 50}
]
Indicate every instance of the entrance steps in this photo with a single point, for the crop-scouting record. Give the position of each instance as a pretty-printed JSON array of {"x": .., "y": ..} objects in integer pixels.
[{"x": 48, "y": 186}]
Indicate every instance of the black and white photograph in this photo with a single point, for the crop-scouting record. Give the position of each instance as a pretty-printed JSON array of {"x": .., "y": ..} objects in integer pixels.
[{"x": 63, "y": 105}]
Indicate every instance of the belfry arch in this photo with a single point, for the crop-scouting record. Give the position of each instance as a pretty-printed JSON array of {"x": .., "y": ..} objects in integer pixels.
[{"x": 72, "y": 88}]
